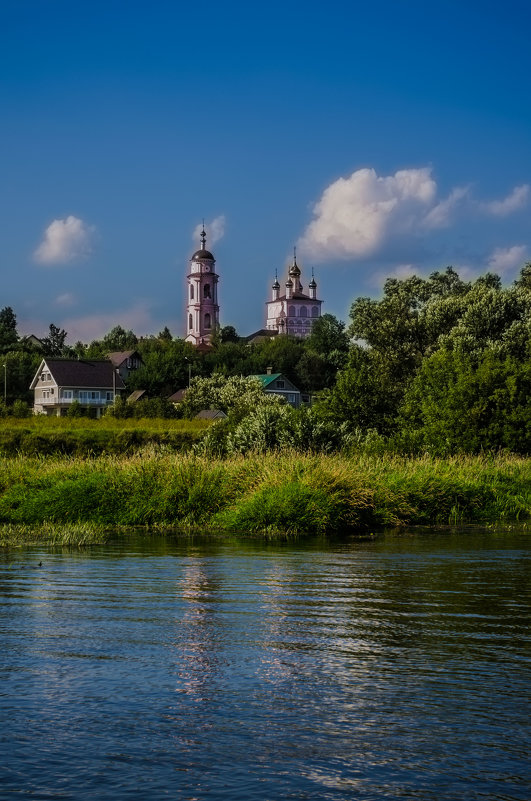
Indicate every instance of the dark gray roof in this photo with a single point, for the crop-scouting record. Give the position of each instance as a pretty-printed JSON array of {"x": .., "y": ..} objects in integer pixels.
[
  {"x": 81, "y": 373},
  {"x": 119, "y": 356},
  {"x": 210, "y": 414},
  {"x": 203, "y": 254}
]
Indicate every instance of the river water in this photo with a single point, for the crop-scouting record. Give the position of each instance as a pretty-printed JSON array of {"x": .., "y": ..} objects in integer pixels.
[{"x": 394, "y": 667}]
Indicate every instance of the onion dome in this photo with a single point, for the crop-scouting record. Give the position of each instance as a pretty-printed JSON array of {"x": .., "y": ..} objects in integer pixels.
[
  {"x": 312, "y": 284},
  {"x": 203, "y": 253},
  {"x": 276, "y": 285},
  {"x": 289, "y": 282}
]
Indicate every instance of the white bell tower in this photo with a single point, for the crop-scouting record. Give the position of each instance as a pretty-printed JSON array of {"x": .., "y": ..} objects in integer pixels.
[{"x": 202, "y": 310}]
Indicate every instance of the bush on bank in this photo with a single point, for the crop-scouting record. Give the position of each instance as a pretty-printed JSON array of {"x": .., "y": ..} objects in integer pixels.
[{"x": 264, "y": 493}]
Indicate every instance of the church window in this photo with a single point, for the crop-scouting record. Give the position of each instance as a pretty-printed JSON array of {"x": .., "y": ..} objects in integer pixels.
[
  {"x": 206, "y": 291},
  {"x": 190, "y": 323},
  {"x": 191, "y": 291},
  {"x": 207, "y": 320},
  {"x": 303, "y": 312},
  {"x": 315, "y": 311},
  {"x": 291, "y": 311}
]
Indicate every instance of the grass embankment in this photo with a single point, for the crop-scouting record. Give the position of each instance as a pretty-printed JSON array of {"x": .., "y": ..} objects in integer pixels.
[
  {"x": 281, "y": 493},
  {"x": 44, "y": 436}
]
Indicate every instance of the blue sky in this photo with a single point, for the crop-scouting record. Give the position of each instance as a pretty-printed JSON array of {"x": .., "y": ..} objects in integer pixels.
[{"x": 381, "y": 139}]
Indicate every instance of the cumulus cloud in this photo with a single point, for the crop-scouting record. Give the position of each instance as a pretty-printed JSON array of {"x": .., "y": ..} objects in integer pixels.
[
  {"x": 514, "y": 201},
  {"x": 65, "y": 241},
  {"x": 356, "y": 215},
  {"x": 441, "y": 215},
  {"x": 215, "y": 230},
  {"x": 504, "y": 260}
]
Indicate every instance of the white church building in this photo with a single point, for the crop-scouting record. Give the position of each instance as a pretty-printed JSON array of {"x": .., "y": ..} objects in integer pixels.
[{"x": 293, "y": 312}]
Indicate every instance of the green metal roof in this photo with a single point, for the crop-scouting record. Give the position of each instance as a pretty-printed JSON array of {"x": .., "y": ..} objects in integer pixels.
[{"x": 267, "y": 379}]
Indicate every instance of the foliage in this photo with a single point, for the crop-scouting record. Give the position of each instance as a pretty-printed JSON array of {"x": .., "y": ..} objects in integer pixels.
[
  {"x": 263, "y": 493},
  {"x": 8, "y": 329},
  {"x": 234, "y": 394},
  {"x": 459, "y": 402},
  {"x": 54, "y": 343}
]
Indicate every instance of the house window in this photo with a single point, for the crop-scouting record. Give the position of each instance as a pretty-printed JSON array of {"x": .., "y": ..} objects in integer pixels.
[
  {"x": 88, "y": 395},
  {"x": 67, "y": 394},
  {"x": 303, "y": 312},
  {"x": 280, "y": 384},
  {"x": 291, "y": 398},
  {"x": 206, "y": 291},
  {"x": 191, "y": 291},
  {"x": 45, "y": 394},
  {"x": 315, "y": 311},
  {"x": 109, "y": 396}
]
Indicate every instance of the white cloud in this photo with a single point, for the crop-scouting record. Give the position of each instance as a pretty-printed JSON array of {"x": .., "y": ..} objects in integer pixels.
[
  {"x": 65, "y": 241},
  {"x": 356, "y": 215},
  {"x": 215, "y": 230},
  {"x": 440, "y": 215},
  {"x": 66, "y": 299},
  {"x": 517, "y": 199},
  {"x": 504, "y": 260}
]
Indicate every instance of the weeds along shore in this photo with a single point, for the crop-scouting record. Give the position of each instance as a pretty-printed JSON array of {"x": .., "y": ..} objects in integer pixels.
[{"x": 277, "y": 493}]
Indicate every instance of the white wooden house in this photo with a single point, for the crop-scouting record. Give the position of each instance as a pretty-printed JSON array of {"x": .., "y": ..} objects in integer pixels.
[{"x": 59, "y": 382}]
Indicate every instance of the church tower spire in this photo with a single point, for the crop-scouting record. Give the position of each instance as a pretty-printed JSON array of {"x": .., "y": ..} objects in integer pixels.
[{"x": 202, "y": 309}]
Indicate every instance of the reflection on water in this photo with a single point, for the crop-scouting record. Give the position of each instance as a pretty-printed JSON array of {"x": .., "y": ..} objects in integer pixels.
[{"x": 388, "y": 668}]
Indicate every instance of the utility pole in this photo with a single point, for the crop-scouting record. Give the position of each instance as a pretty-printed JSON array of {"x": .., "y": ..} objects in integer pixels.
[
  {"x": 189, "y": 370},
  {"x": 5, "y": 382}
]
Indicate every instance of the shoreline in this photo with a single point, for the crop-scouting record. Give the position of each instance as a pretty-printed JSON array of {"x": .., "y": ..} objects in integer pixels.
[{"x": 272, "y": 496}]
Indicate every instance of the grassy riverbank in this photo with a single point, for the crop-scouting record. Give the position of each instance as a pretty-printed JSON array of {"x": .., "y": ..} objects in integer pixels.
[
  {"x": 44, "y": 436},
  {"x": 273, "y": 494}
]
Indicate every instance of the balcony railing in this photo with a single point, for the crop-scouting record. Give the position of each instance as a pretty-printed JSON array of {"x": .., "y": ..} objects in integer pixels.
[{"x": 56, "y": 400}]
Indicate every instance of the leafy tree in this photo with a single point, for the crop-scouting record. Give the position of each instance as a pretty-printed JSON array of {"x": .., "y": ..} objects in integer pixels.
[
  {"x": 118, "y": 339},
  {"x": 8, "y": 329},
  {"x": 234, "y": 394},
  {"x": 21, "y": 366},
  {"x": 462, "y": 402},
  {"x": 366, "y": 395},
  {"x": 165, "y": 334},
  {"x": 54, "y": 343},
  {"x": 228, "y": 334}
]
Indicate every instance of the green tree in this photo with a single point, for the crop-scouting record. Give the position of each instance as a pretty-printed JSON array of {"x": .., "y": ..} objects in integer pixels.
[
  {"x": 233, "y": 394},
  {"x": 461, "y": 402},
  {"x": 8, "y": 329},
  {"x": 118, "y": 339},
  {"x": 54, "y": 343}
]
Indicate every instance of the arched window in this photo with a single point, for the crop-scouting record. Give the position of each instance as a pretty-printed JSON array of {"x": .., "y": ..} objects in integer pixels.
[
  {"x": 303, "y": 311},
  {"x": 315, "y": 311},
  {"x": 206, "y": 292},
  {"x": 191, "y": 291},
  {"x": 291, "y": 311},
  {"x": 207, "y": 320},
  {"x": 190, "y": 323}
]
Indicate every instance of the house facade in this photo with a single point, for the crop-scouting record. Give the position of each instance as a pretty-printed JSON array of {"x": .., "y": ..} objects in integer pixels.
[
  {"x": 60, "y": 382},
  {"x": 278, "y": 384}
]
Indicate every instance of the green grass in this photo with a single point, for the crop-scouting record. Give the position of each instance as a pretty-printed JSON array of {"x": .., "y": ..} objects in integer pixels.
[
  {"x": 42, "y": 435},
  {"x": 281, "y": 493}
]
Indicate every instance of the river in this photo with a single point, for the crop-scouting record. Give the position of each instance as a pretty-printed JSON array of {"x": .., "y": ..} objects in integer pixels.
[{"x": 392, "y": 667}]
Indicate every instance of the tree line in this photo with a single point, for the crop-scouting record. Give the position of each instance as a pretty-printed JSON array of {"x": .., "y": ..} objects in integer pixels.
[{"x": 436, "y": 364}]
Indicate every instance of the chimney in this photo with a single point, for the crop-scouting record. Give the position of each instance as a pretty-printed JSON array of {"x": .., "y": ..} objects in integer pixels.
[{"x": 269, "y": 370}]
